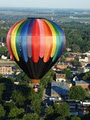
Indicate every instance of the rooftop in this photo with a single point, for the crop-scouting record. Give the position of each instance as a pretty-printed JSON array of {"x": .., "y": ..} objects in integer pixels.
[
  {"x": 59, "y": 88},
  {"x": 82, "y": 82}
]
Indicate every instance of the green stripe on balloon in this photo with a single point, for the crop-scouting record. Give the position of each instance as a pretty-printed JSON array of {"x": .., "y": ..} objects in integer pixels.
[
  {"x": 58, "y": 43},
  {"x": 18, "y": 37}
]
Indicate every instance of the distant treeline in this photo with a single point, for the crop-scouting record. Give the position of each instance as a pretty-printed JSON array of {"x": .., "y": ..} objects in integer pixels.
[{"x": 77, "y": 36}]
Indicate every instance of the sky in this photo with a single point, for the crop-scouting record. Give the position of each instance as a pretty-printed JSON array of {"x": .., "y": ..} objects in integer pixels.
[{"x": 83, "y": 4}]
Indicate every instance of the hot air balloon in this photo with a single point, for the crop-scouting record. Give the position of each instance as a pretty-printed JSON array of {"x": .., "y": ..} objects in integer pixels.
[{"x": 35, "y": 44}]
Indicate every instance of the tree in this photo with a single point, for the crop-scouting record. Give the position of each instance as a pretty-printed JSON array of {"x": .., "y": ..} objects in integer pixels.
[
  {"x": 77, "y": 93},
  {"x": 49, "y": 111},
  {"x": 35, "y": 102},
  {"x": 67, "y": 72},
  {"x": 2, "y": 112},
  {"x": 3, "y": 49},
  {"x": 16, "y": 112},
  {"x": 36, "y": 106},
  {"x": 31, "y": 116},
  {"x": 75, "y": 48},
  {"x": 23, "y": 78},
  {"x": 18, "y": 98},
  {"x": 2, "y": 88},
  {"x": 86, "y": 76},
  {"x": 75, "y": 118},
  {"x": 60, "y": 118},
  {"x": 16, "y": 67},
  {"x": 62, "y": 59},
  {"x": 62, "y": 109},
  {"x": 8, "y": 85},
  {"x": 20, "y": 94},
  {"x": 47, "y": 78},
  {"x": 8, "y": 106},
  {"x": 86, "y": 117},
  {"x": 41, "y": 118},
  {"x": 76, "y": 63},
  {"x": 1, "y": 76}
]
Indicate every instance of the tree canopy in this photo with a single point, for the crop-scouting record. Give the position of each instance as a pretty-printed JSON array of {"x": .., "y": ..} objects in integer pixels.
[
  {"x": 77, "y": 93},
  {"x": 2, "y": 112},
  {"x": 15, "y": 112},
  {"x": 31, "y": 116},
  {"x": 75, "y": 118},
  {"x": 67, "y": 72},
  {"x": 62, "y": 109},
  {"x": 86, "y": 76}
]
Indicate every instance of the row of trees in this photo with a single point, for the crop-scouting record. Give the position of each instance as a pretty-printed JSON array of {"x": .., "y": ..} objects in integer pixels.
[{"x": 77, "y": 36}]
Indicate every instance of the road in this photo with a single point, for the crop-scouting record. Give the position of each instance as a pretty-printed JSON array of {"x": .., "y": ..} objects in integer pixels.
[{"x": 7, "y": 62}]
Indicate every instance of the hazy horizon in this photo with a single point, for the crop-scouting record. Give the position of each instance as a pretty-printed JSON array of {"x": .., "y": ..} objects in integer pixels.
[
  {"x": 45, "y": 8},
  {"x": 59, "y": 4}
]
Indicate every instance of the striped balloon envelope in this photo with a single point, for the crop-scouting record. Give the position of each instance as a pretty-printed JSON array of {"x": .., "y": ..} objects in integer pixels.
[{"x": 35, "y": 44}]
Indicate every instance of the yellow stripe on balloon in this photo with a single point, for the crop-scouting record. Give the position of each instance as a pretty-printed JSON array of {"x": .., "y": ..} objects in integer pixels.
[
  {"x": 54, "y": 37},
  {"x": 13, "y": 42}
]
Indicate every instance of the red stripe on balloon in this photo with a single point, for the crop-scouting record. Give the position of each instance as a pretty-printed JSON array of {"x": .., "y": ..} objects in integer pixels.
[
  {"x": 35, "y": 42},
  {"x": 42, "y": 38},
  {"x": 48, "y": 42}
]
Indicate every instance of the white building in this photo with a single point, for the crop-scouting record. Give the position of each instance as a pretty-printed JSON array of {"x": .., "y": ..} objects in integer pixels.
[
  {"x": 60, "y": 77},
  {"x": 83, "y": 69},
  {"x": 87, "y": 53},
  {"x": 83, "y": 59}
]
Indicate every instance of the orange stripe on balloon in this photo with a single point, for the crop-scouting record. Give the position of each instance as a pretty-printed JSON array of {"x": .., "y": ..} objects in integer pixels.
[
  {"x": 35, "y": 42},
  {"x": 48, "y": 42}
]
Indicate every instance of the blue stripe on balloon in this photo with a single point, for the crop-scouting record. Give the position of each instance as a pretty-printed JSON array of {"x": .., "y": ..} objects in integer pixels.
[
  {"x": 23, "y": 35},
  {"x": 30, "y": 38}
]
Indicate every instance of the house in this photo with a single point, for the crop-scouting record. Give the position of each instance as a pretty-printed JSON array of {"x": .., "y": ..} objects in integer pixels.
[
  {"x": 85, "y": 103},
  {"x": 3, "y": 57},
  {"x": 2, "y": 44},
  {"x": 60, "y": 77},
  {"x": 61, "y": 66},
  {"x": 84, "y": 106},
  {"x": 87, "y": 53},
  {"x": 89, "y": 59},
  {"x": 74, "y": 107},
  {"x": 83, "y": 59},
  {"x": 68, "y": 49},
  {"x": 69, "y": 59},
  {"x": 83, "y": 64},
  {"x": 59, "y": 89},
  {"x": 69, "y": 84},
  {"x": 78, "y": 108},
  {"x": 75, "y": 78},
  {"x": 16, "y": 83},
  {"x": 5, "y": 69},
  {"x": 83, "y": 84},
  {"x": 83, "y": 69},
  {"x": 74, "y": 70},
  {"x": 76, "y": 54}
]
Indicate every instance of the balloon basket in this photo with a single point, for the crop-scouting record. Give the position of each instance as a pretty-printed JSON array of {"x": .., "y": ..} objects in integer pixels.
[
  {"x": 35, "y": 84},
  {"x": 35, "y": 81}
]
